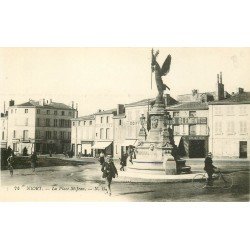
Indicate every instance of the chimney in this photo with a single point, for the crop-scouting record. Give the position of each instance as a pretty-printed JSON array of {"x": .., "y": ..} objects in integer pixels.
[
  {"x": 76, "y": 114},
  {"x": 220, "y": 87},
  {"x": 221, "y": 77},
  {"x": 72, "y": 104},
  {"x": 11, "y": 103},
  {"x": 4, "y": 107},
  {"x": 120, "y": 109},
  {"x": 50, "y": 101},
  {"x": 2, "y": 114},
  {"x": 194, "y": 92},
  {"x": 41, "y": 102},
  {"x": 240, "y": 90}
]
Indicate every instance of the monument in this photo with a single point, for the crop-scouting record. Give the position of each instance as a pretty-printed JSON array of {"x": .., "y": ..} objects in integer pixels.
[{"x": 155, "y": 151}]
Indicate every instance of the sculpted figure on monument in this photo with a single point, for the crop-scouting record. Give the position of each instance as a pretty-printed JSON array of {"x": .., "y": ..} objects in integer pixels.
[
  {"x": 159, "y": 72},
  {"x": 154, "y": 122}
]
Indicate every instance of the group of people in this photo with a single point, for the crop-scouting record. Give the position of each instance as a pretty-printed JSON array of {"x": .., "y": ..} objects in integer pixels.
[{"x": 11, "y": 161}]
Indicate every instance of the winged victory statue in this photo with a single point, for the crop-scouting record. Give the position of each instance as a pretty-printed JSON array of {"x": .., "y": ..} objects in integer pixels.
[{"x": 159, "y": 72}]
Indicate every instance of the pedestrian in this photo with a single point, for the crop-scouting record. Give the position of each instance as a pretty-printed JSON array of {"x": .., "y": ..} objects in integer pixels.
[
  {"x": 101, "y": 158},
  {"x": 131, "y": 152},
  {"x": 109, "y": 172},
  {"x": 209, "y": 168},
  {"x": 10, "y": 162},
  {"x": 123, "y": 161},
  {"x": 33, "y": 160}
]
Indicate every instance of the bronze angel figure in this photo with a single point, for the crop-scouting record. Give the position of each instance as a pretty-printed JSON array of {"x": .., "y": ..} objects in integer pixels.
[{"x": 159, "y": 72}]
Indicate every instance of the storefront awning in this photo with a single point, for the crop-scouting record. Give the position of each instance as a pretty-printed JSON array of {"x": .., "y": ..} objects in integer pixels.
[
  {"x": 101, "y": 144},
  {"x": 177, "y": 140},
  {"x": 127, "y": 143}
]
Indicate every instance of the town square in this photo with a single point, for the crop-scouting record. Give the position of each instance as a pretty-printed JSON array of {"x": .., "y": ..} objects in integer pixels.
[{"x": 152, "y": 142}]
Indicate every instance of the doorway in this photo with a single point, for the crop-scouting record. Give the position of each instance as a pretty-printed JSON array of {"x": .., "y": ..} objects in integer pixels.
[
  {"x": 197, "y": 149},
  {"x": 243, "y": 149}
]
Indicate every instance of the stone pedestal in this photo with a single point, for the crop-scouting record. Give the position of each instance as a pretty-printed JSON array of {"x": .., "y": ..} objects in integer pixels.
[{"x": 154, "y": 151}]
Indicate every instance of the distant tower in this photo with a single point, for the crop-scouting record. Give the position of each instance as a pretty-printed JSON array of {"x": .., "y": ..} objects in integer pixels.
[{"x": 220, "y": 87}]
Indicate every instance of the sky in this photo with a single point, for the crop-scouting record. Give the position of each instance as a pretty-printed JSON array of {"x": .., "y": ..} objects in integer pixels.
[{"x": 100, "y": 78}]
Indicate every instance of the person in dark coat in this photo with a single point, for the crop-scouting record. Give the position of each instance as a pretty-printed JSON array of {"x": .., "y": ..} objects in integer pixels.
[
  {"x": 10, "y": 162},
  {"x": 101, "y": 158},
  {"x": 109, "y": 172},
  {"x": 33, "y": 160},
  {"x": 123, "y": 161},
  {"x": 209, "y": 168}
]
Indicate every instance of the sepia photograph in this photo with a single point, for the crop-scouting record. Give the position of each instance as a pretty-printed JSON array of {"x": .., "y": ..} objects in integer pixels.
[{"x": 125, "y": 124}]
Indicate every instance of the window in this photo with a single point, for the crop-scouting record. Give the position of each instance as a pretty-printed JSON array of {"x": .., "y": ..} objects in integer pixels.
[
  {"x": 107, "y": 133},
  {"x": 107, "y": 119},
  {"x": 69, "y": 135},
  {"x": 218, "y": 128},
  {"x": 192, "y": 113},
  {"x": 26, "y": 111},
  {"x": 55, "y": 134},
  {"x": 63, "y": 112},
  {"x": 70, "y": 113},
  {"x": 101, "y": 133},
  {"x": 47, "y": 122},
  {"x": 120, "y": 122},
  {"x": 230, "y": 127},
  {"x": 55, "y": 112},
  {"x": 48, "y": 134},
  {"x": 11, "y": 111},
  {"x": 38, "y": 111},
  {"x": 243, "y": 110},
  {"x": 26, "y": 121},
  {"x": 15, "y": 147},
  {"x": 37, "y": 134},
  {"x": 3, "y": 135},
  {"x": 61, "y": 135},
  {"x": 176, "y": 114},
  {"x": 48, "y": 112},
  {"x": 55, "y": 122},
  {"x": 176, "y": 130},
  {"x": 243, "y": 127},
  {"x": 25, "y": 135},
  {"x": 38, "y": 122},
  {"x": 101, "y": 119},
  {"x": 230, "y": 110},
  {"x": 192, "y": 129},
  {"x": 90, "y": 123},
  {"x": 217, "y": 110},
  {"x": 73, "y": 124},
  {"x": 15, "y": 110},
  {"x": 14, "y": 133}
]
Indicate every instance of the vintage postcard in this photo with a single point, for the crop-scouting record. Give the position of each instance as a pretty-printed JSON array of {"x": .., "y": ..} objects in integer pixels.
[{"x": 125, "y": 124}]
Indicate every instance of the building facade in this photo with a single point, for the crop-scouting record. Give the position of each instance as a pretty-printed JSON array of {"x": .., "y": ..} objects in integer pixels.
[
  {"x": 4, "y": 129},
  {"x": 43, "y": 126},
  {"x": 229, "y": 134},
  {"x": 190, "y": 127}
]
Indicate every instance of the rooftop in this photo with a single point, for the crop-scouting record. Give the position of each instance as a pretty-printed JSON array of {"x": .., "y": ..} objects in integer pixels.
[
  {"x": 84, "y": 118},
  {"x": 189, "y": 106},
  {"x": 54, "y": 105},
  {"x": 143, "y": 102},
  {"x": 242, "y": 98},
  {"x": 109, "y": 111}
]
